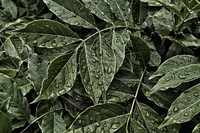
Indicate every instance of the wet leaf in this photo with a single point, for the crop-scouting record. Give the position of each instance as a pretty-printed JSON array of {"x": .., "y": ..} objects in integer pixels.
[
  {"x": 53, "y": 123},
  {"x": 174, "y": 63},
  {"x": 184, "y": 108},
  {"x": 9, "y": 7},
  {"x": 97, "y": 119},
  {"x": 72, "y": 12},
  {"x": 196, "y": 129},
  {"x": 175, "y": 78},
  {"x": 60, "y": 69}
]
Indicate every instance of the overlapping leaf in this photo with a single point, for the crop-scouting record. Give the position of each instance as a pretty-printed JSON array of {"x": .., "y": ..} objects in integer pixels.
[
  {"x": 60, "y": 77},
  {"x": 47, "y": 34},
  {"x": 18, "y": 104},
  {"x": 177, "y": 77},
  {"x": 97, "y": 68},
  {"x": 72, "y": 12},
  {"x": 9, "y": 7},
  {"x": 174, "y": 63},
  {"x": 97, "y": 119},
  {"x": 196, "y": 129},
  {"x": 5, "y": 126},
  {"x": 53, "y": 123},
  {"x": 184, "y": 108}
]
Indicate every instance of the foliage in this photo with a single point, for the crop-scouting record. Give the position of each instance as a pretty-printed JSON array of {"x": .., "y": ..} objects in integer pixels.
[{"x": 103, "y": 66}]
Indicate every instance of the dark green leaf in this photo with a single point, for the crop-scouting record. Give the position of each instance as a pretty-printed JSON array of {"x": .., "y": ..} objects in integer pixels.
[{"x": 5, "y": 126}]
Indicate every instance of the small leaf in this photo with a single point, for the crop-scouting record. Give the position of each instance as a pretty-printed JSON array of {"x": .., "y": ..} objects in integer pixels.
[
  {"x": 97, "y": 119},
  {"x": 72, "y": 12},
  {"x": 5, "y": 105},
  {"x": 189, "y": 40},
  {"x": 174, "y": 63},
  {"x": 163, "y": 21},
  {"x": 196, "y": 129},
  {"x": 4, "y": 19},
  {"x": 47, "y": 34},
  {"x": 136, "y": 127},
  {"x": 101, "y": 9},
  {"x": 184, "y": 108},
  {"x": 5, "y": 126},
  {"x": 177, "y": 77},
  {"x": 60, "y": 77},
  {"x": 122, "y": 10},
  {"x": 53, "y": 123},
  {"x": 155, "y": 58}
]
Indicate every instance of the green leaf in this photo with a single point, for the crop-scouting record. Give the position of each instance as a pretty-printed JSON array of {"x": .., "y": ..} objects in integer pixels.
[
  {"x": 47, "y": 34},
  {"x": 101, "y": 9},
  {"x": 184, "y": 108},
  {"x": 8, "y": 70},
  {"x": 60, "y": 77},
  {"x": 97, "y": 68},
  {"x": 146, "y": 117},
  {"x": 136, "y": 127},
  {"x": 155, "y": 58},
  {"x": 53, "y": 123},
  {"x": 122, "y": 10},
  {"x": 5, "y": 105},
  {"x": 9, "y": 7},
  {"x": 189, "y": 40},
  {"x": 163, "y": 21},
  {"x": 177, "y": 77},
  {"x": 5, "y": 126},
  {"x": 74, "y": 106},
  {"x": 141, "y": 48},
  {"x": 97, "y": 119},
  {"x": 119, "y": 92},
  {"x": 72, "y": 12},
  {"x": 174, "y": 63},
  {"x": 4, "y": 19},
  {"x": 18, "y": 104},
  {"x": 196, "y": 129},
  {"x": 36, "y": 70}
]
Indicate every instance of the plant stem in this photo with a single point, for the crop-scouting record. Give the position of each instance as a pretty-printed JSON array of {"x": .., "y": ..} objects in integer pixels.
[{"x": 134, "y": 100}]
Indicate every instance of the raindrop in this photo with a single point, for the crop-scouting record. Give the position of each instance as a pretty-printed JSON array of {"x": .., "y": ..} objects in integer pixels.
[
  {"x": 54, "y": 44},
  {"x": 100, "y": 83},
  {"x": 109, "y": 70},
  {"x": 84, "y": 80},
  {"x": 196, "y": 94},
  {"x": 189, "y": 99},
  {"x": 175, "y": 109},
  {"x": 35, "y": 42},
  {"x": 147, "y": 115},
  {"x": 185, "y": 114},
  {"x": 182, "y": 76},
  {"x": 167, "y": 79},
  {"x": 79, "y": 121},
  {"x": 93, "y": 60},
  {"x": 57, "y": 85},
  {"x": 97, "y": 76},
  {"x": 153, "y": 122}
]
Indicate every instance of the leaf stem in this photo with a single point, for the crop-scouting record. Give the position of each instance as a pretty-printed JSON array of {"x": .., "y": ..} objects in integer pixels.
[{"x": 134, "y": 100}]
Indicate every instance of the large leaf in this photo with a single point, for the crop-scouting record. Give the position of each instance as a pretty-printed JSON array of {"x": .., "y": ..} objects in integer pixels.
[
  {"x": 97, "y": 68},
  {"x": 177, "y": 77},
  {"x": 184, "y": 108},
  {"x": 72, "y": 12},
  {"x": 101, "y": 118},
  {"x": 60, "y": 77},
  {"x": 53, "y": 123},
  {"x": 47, "y": 34},
  {"x": 174, "y": 63},
  {"x": 5, "y": 126},
  {"x": 18, "y": 103}
]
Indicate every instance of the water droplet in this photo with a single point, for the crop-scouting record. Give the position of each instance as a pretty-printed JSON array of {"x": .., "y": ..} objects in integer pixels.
[
  {"x": 97, "y": 76},
  {"x": 79, "y": 121},
  {"x": 153, "y": 122},
  {"x": 147, "y": 115},
  {"x": 109, "y": 70},
  {"x": 93, "y": 60},
  {"x": 100, "y": 83},
  {"x": 196, "y": 94},
  {"x": 174, "y": 121},
  {"x": 189, "y": 99},
  {"x": 84, "y": 80},
  {"x": 185, "y": 114},
  {"x": 54, "y": 45},
  {"x": 35, "y": 42},
  {"x": 57, "y": 85},
  {"x": 175, "y": 109},
  {"x": 167, "y": 79},
  {"x": 182, "y": 76}
]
